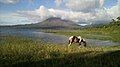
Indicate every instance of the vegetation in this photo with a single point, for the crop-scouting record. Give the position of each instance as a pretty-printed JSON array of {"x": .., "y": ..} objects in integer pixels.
[
  {"x": 103, "y": 32},
  {"x": 23, "y": 52},
  {"x": 18, "y": 51}
]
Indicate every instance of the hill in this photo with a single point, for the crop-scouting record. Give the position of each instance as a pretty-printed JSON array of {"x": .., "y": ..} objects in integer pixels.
[{"x": 55, "y": 23}]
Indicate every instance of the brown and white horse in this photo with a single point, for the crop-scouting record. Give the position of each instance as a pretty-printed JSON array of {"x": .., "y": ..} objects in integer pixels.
[{"x": 75, "y": 39}]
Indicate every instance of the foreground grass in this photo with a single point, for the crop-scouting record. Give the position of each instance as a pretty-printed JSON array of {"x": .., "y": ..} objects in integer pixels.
[{"x": 17, "y": 51}]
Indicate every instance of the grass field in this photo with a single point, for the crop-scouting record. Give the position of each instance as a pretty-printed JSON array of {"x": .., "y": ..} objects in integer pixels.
[{"x": 18, "y": 52}]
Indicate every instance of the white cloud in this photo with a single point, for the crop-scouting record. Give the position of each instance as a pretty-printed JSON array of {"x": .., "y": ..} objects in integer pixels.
[
  {"x": 80, "y": 11},
  {"x": 109, "y": 13},
  {"x": 114, "y": 11},
  {"x": 13, "y": 19},
  {"x": 9, "y": 1},
  {"x": 58, "y": 2},
  {"x": 82, "y": 5},
  {"x": 13, "y": 1},
  {"x": 43, "y": 13},
  {"x": 101, "y": 2},
  {"x": 70, "y": 15}
]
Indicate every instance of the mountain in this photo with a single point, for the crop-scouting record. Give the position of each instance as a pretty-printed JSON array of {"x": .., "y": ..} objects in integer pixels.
[{"x": 53, "y": 23}]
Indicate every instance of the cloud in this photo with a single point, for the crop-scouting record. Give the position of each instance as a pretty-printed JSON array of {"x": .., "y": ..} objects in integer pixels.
[
  {"x": 38, "y": 15},
  {"x": 13, "y": 19},
  {"x": 9, "y": 1},
  {"x": 43, "y": 13},
  {"x": 58, "y": 2},
  {"x": 13, "y": 1},
  {"x": 118, "y": 6},
  {"x": 76, "y": 10},
  {"x": 83, "y": 5},
  {"x": 114, "y": 11},
  {"x": 101, "y": 3}
]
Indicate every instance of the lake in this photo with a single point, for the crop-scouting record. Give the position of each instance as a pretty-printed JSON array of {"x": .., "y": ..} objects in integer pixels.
[{"x": 50, "y": 37}]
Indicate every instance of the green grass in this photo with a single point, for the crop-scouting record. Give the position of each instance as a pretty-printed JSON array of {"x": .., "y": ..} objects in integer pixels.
[
  {"x": 18, "y": 51},
  {"x": 105, "y": 33}
]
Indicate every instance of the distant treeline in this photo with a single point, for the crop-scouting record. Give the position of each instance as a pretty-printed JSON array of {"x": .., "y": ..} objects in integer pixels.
[{"x": 113, "y": 23}]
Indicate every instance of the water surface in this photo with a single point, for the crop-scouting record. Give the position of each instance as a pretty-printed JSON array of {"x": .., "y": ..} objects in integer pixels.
[{"x": 49, "y": 37}]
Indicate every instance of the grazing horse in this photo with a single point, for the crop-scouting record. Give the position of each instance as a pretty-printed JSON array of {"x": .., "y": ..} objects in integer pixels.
[{"x": 75, "y": 39}]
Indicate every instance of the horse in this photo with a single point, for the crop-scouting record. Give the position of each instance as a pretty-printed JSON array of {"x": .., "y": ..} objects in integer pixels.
[{"x": 75, "y": 39}]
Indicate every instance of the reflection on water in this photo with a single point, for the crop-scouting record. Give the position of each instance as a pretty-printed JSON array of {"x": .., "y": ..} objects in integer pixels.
[{"x": 49, "y": 37}]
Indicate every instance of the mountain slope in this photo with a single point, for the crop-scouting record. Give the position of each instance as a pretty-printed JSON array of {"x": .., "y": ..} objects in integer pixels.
[{"x": 54, "y": 23}]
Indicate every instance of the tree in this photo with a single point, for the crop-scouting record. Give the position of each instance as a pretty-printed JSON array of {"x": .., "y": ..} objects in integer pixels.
[
  {"x": 113, "y": 20},
  {"x": 118, "y": 18}
]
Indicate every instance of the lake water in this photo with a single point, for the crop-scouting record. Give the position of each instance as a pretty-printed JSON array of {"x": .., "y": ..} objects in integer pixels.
[
  {"x": 34, "y": 34},
  {"x": 49, "y": 37}
]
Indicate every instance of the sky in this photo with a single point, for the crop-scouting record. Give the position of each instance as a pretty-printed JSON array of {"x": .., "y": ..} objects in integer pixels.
[{"x": 13, "y": 12}]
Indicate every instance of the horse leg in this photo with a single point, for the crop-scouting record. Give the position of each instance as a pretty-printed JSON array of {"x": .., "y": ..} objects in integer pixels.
[
  {"x": 84, "y": 44},
  {"x": 69, "y": 42},
  {"x": 79, "y": 43}
]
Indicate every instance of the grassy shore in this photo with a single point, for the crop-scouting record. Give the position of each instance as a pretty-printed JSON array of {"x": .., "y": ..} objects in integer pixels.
[
  {"x": 105, "y": 32},
  {"x": 109, "y": 31},
  {"x": 18, "y": 51}
]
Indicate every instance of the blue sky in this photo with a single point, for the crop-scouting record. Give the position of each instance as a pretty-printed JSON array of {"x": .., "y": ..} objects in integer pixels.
[
  {"x": 110, "y": 3},
  {"x": 14, "y": 12},
  {"x": 26, "y": 5}
]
